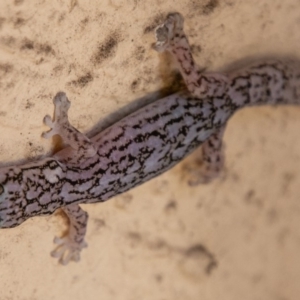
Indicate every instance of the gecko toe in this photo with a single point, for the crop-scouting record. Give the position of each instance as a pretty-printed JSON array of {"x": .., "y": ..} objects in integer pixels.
[
  {"x": 48, "y": 121},
  {"x": 166, "y": 32},
  {"x": 175, "y": 22},
  {"x": 61, "y": 101}
]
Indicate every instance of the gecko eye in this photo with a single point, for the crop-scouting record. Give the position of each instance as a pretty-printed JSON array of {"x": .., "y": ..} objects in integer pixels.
[{"x": 1, "y": 189}]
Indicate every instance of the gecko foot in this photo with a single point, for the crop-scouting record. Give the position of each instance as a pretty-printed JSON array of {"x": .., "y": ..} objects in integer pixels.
[
  {"x": 62, "y": 105},
  {"x": 67, "y": 250},
  {"x": 60, "y": 125},
  {"x": 166, "y": 33}
]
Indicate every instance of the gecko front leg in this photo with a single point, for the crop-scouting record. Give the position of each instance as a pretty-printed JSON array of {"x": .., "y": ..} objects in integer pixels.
[
  {"x": 69, "y": 247},
  {"x": 81, "y": 144},
  {"x": 212, "y": 159},
  {"x": 171, "y": 37}
]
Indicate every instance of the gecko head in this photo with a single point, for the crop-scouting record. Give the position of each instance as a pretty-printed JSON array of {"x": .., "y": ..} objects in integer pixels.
[{"x": 25, "y": 191}]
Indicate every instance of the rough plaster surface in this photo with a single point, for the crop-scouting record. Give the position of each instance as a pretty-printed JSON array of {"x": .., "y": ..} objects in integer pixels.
[{"x": 236, "y": 238}]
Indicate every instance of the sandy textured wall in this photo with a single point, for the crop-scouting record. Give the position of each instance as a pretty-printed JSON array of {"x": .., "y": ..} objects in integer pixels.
[{"x": 237, "y": 238}]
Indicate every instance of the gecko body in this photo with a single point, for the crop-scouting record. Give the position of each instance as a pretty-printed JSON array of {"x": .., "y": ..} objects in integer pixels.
[{"x": 142, "y": 145}]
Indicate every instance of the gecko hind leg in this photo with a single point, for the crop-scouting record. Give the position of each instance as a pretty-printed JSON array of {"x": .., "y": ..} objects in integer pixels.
[
  {"x": 69, "y": 247},
  {"x": 170, "y": 37},
  {"x": 212, "y": 160},
  {"x": 61, "y": 126}
]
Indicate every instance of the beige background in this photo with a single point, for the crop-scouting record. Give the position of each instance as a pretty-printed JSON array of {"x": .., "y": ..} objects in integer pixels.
[{"x": 236, "y": 238}]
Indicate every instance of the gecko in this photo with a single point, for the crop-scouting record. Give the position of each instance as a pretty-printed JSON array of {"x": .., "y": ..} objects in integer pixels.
[{"x": 142, "y": 145}]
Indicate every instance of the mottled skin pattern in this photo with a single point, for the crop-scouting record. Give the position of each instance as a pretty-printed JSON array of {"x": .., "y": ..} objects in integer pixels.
[{"x": 142, "y": 145}]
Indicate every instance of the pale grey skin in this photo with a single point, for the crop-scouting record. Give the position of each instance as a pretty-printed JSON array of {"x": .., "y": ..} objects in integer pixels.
[{"x": 142, "y": 145}]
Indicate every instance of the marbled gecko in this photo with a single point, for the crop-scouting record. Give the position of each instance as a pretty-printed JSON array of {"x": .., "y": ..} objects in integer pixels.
[{"x": 142, "y": 145}]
